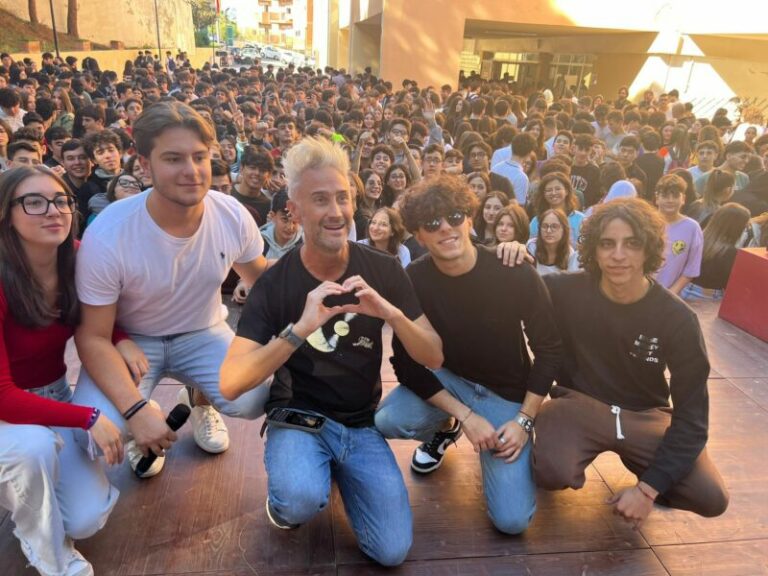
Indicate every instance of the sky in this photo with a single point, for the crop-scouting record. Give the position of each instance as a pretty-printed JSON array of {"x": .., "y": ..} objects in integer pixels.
[{"x": 247, "y": 11}]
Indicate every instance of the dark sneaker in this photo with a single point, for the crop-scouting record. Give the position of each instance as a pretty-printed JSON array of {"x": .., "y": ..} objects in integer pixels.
[
  {"x": 429, "y": 456},
  {"x": 276, "y": 521}
]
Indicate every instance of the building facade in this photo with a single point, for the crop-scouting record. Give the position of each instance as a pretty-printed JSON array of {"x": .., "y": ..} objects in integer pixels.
[{"x": 702, "y": 50}]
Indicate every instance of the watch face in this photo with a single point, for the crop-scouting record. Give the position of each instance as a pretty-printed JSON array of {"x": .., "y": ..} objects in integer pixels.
[{"x": 526, "y": 424}]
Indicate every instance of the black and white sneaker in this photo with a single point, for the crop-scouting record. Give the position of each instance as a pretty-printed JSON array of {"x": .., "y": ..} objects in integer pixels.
[
  {"x": 276, "y": 521},
  {"x": 429, "y": 456}
]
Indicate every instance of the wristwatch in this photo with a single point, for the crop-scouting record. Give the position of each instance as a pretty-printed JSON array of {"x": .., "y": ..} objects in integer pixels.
[
  {"x": 289, "y": 335},
  {"x": 524, "y": 422}
]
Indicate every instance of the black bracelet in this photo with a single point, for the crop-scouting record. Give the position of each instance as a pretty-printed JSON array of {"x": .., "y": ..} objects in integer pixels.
[{"x": 131, "y": 412}]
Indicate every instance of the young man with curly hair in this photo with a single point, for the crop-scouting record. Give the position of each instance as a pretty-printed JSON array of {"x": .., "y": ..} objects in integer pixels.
[
  {"x": 490, "y": 390},
  {"x": 621, "y": 330}
]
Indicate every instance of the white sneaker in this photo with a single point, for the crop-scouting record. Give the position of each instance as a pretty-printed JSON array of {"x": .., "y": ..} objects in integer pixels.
[
  {"x": 79, "y": 566},
  {"x": 133, "y": 455},
  {"x": 208, "y": 427}
]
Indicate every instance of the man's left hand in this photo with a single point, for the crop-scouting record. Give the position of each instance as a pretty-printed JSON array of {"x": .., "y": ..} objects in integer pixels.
[
  {"x": 632, "y": 505},
  {"x": 511, "y": 441},
  {"x": 371, "y": 302}
]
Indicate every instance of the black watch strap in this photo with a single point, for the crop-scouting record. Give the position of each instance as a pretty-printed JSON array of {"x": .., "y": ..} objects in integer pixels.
[{"x": 292, "y": 338}]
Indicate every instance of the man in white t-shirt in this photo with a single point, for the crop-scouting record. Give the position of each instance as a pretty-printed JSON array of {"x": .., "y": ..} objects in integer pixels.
[{"x": 153, "y": 265}]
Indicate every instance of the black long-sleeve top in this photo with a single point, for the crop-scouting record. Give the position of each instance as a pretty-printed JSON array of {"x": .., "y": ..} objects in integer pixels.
[
  {"x": 480, "y": 317},
  {"x": 617, "y": 353}
]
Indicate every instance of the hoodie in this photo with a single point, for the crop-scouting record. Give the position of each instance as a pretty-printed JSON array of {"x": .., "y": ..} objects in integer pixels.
[{"x": 272, "y": 250}]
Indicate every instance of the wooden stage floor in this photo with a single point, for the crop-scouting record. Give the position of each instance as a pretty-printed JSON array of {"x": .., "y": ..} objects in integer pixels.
[{"x": 204, "y": 515}]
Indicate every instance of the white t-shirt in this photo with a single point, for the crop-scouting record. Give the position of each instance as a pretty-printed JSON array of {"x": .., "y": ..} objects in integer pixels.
[{"x": 164, "y": 285}]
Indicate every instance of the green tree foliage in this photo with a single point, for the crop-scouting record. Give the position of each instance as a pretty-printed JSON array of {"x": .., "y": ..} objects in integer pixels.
[{"x": 203, "y": 13}]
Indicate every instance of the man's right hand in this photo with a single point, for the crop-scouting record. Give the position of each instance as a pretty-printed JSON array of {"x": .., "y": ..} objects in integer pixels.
[
  {"x": 315, "y": 312},
  {"x": 480, "y": 433},
  {"x": 150, "y": 431}
]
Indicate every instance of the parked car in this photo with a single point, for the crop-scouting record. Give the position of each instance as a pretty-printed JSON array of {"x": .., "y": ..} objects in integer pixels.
[{"x": 270, "y": 53}]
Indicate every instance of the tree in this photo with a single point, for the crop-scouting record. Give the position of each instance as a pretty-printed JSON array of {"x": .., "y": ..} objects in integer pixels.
[
  {"x": 72, "y": 28},
  {"x": 203, "y": 13},
  {"x": 33, "y": 19}
]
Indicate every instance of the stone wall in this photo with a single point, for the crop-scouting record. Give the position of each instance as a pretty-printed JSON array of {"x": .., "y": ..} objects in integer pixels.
[{"x": 129, "y": 21}]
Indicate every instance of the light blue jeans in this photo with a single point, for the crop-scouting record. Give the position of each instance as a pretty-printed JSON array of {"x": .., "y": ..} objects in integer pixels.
[
  {"x": 510, "y": 492},
  {"x": 54, "y": 492},
  {"x": 300, "y": 466},
  {"x": 192, "y": 358}
]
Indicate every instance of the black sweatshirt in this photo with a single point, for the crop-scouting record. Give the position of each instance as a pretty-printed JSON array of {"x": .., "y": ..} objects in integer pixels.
[
  {"x": 479, "y": 316},
  {"x": 617, "y": 353}
]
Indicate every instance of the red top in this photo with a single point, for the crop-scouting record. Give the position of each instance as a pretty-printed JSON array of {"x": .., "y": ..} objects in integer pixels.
[{"x": 32, "y": 358}]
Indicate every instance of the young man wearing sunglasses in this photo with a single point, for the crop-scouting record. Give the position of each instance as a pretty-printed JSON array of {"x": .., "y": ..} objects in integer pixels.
[{"x": 490, "y": 390}]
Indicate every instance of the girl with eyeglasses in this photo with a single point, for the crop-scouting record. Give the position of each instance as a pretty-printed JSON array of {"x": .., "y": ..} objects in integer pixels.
[
  {"x": 121, "y": 186},
  {"x": 396, "y": 181},
  {"x": 551, "y": 247},
  {"x": 53, "y": 491},
  {"x": 556, "y": 193}
]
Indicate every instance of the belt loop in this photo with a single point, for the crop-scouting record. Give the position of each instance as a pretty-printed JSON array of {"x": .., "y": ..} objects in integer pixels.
[{"x": 616, "y": 410}]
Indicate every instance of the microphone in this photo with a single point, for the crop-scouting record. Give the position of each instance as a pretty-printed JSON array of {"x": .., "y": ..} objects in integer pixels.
[{"x": 175, "y": 420}]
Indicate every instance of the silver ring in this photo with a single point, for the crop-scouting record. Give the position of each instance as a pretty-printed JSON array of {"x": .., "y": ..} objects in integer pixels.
[{"x": 502, "y": 439}]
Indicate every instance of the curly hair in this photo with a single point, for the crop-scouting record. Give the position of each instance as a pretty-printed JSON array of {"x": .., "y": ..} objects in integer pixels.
[
  {"x": 437, "y": 197},
  {"x": 647, "y": 225}
]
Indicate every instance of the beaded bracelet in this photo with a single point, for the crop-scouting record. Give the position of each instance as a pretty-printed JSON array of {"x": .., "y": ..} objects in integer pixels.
[
  {"x": 92, "y": 420},
  {"x": 128, "y": 414}
]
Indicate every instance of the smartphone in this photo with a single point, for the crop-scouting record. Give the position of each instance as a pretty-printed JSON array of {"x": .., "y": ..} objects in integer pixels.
[
  {"x": 296, "y": 419},
  {"x": 340, "y": 300}
]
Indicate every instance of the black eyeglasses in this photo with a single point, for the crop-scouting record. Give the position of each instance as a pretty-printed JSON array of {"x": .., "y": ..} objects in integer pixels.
[
  {"x": 129, "y": 183},
  {"x": 455, "y": 219},
  {"x": 35, "y": 204}
]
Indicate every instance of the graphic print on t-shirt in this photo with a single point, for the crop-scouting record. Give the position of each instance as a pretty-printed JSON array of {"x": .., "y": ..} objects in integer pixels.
[
  {"x": 678, "y": 247},
  {"x": 646, "y": 348},
  {"x": 319, "y": 342},
  {"x": 579, "y": 183}
]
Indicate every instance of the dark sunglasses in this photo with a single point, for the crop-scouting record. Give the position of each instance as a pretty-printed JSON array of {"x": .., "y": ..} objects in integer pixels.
[{"x": 454, "y": 220}]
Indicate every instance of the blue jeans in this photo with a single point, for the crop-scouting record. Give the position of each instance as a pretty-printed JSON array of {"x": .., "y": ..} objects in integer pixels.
[
  {"x": 192, "y": 358},
  {"x": 300, "y": 466},
  {"x": 53, "y": 491},
  {"x": 510, "y": 492}
]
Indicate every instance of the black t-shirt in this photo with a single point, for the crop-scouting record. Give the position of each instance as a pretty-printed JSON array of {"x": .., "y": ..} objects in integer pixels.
[
  {"x": 336, "y": 372},
  {"x": 586, "y": 179},
  {"x": 618, "y": 354},
  {"x": 653, "y": 166},
  {"x": 715, "y": 272},
  {"x": 258, "y": 206},
  {"x": 502, "y": 184},
  {"x": 480, "y": 316},
  {"x": 637, "y": 173}
]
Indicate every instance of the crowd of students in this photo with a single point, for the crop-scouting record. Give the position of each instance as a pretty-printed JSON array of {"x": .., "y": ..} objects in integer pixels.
[{"x": 435, "y": 178}]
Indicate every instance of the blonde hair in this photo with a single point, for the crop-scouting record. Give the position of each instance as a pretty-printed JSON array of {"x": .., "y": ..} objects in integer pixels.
[{"x": 312, "y": 154}]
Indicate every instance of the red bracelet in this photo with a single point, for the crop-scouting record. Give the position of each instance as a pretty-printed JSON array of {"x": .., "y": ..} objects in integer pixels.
[{"x": 644, "y": 493}]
